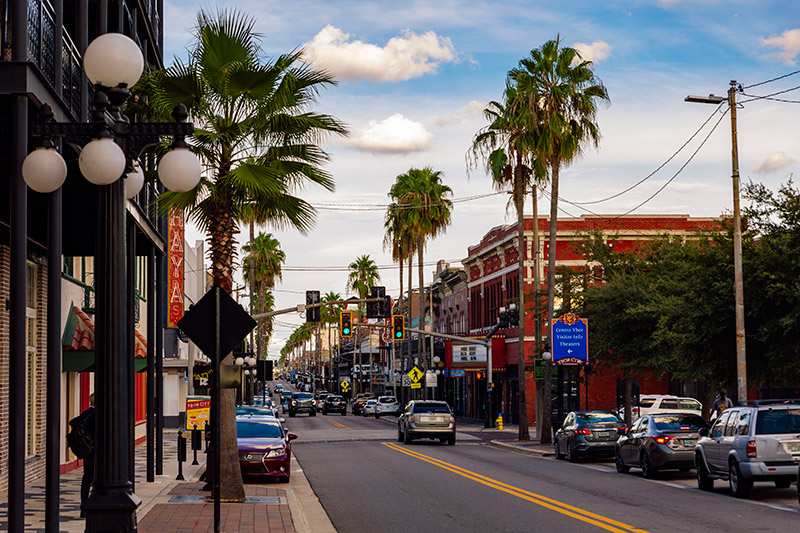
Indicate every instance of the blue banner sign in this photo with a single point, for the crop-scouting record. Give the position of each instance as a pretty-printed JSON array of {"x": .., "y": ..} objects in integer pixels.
[
  {"x": 570, "y": 335},
  {"x": 457, "y": 373}
]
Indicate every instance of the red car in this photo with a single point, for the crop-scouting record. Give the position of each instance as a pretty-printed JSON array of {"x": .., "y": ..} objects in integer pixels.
[{"x": 264, "y": 448}]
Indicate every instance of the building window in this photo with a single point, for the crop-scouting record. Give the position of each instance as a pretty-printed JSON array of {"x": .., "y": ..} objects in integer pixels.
[{"x": 31, "y": 360}]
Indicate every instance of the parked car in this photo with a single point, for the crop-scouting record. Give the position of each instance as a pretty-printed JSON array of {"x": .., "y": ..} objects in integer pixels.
[
  {"x": 650, "y": 404},
  {"x": 360, "y": 400},
  {"x": 587, "y": 433},
  {"x": 334, "y": 404},
  {"x": 387, "y": 405},
  {"x": 302, "y": 402},
  {"x": 254, "y": 411},
  {"x": 264, "y": 448},
  {"x": 369, "y": 408},
  {"x": 747, "y": 444},
  {"x": 286, "y": 396},
  {"x": 321, "y": 399},
  {"x": 659, "y": 442},
  {"x": 426, "y": 419}
]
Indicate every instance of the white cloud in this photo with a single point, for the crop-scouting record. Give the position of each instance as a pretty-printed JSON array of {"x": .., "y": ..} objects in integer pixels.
[
  {"x": 396, "y": 134},
  {"x": 788, "y": 44},
  {"x": 595, "y": 52},
  {"x": 472, "y": 110},
  {"x": 773, "y": 163},
  {"x": 408, "y": 56}
]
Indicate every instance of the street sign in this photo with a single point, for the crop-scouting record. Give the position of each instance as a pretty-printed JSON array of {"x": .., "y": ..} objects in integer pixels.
[
  {"x": 415, "y": 374},
  {"x": 406, "y": 381},
  {"x": 198, "y": 323},
  {"x": 430, "y": 379},
  {"x": 458, "y": 373},
  {"x": 345, "y": 385},
  {"x": 198, "y": 411},
  {"x": 416, "y": 385},
  {"x": 469, "y": 353},
  {"x": 570, "y": 334}
]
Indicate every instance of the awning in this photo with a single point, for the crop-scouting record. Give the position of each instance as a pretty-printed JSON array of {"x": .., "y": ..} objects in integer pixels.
[{"x": 78, "y": 344}]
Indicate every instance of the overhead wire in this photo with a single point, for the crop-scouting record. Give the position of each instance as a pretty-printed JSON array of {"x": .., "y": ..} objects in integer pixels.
[
  {"x": 771, "y": 80},
  {"x": 383, "y": 207},
  {"x": 771, "y": 96}
]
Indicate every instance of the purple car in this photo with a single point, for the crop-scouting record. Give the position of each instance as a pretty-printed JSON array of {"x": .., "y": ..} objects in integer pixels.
[{"x": 264, "y": 448}]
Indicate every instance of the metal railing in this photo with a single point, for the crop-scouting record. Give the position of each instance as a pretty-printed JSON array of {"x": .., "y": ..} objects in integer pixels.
[
  {"x": 72, "y": 76},
  {"x": 41, "y": 38}
]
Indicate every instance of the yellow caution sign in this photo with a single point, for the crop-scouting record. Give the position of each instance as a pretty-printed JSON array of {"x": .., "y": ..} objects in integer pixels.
[
  {"x": 416, "y": 385},
  {"x": 345, "y": 385},
  {"x": 415, "y": 375}
]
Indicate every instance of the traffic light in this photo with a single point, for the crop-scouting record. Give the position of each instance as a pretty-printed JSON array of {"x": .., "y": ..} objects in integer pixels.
[
  {"x": 312, "y": 313},
  {"x": 346, "y": 324},
  {"x": 502, "y": 317},
  {"x": 385, "y": 310},
  {"x": 513, "y": 315},
  {"x": 374, "y": 309},
  {"x": 398, "y": 327}
]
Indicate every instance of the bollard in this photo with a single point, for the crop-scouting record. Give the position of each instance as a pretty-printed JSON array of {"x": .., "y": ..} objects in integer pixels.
[
  {"x": 197, "y": 442},
  {"x": 181, "y": 454}
]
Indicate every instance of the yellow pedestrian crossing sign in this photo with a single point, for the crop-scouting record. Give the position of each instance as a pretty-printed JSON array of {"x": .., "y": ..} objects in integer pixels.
[
  {"x": 345, "y": 385},
  {"x": 415, "y": 374}
]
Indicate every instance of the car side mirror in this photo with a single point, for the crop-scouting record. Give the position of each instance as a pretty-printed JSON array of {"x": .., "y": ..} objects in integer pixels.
[
  {"x": 622, "y": 431},
  {"x": 704, "y": 432},
  {"x": 291, "y": 436}
]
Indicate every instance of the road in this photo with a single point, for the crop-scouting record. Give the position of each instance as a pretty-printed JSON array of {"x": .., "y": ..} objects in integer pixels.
[{"x": 368, "y": 482}]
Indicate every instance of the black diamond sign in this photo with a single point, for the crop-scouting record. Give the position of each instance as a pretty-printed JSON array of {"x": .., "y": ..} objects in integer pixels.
[{"x": 198, "y": 323}]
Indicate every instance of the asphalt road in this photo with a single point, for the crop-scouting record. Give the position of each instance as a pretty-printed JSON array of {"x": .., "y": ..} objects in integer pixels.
[{"x": 368, "y": 482}]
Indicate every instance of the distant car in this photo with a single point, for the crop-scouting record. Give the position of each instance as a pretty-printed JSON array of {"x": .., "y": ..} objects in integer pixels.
[
  {"x": 587, "y": 433},
  {"x": 302, "y": 402},
  {"x": 650, "y": 404},
  {"x": 387, "y": 405},
  {"x": 321, "y": 400},
  {"x": 426, "y": 420},
  {"x": 254, "y": 411},
  {"x": 759, "y": 442},
  {"x": 264, "y": 448},
  {"x": 285, "y": 397},
  {"x": 659, "y": 442},
  {"x": 369, "y": 408},
  {"x": 360, "y": 400},
  {"x": 334, "y": 404}
]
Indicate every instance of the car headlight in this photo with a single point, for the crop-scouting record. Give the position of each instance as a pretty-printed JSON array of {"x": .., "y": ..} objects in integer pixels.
[
  {"x": 313, "y": 402},
  {"x": 277, "y": 452},
  {"x": 294, "y": 402}
]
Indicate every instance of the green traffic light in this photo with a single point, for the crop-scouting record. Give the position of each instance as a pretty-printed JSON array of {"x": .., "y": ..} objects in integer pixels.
[
  {"x": 398, "y": 334},
  {"x": 346, "y": 331}
]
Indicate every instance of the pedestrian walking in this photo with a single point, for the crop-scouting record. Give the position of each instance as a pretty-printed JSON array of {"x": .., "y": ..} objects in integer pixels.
[
  {"x": 721, "y": 403},
  {"x": 81, "y": 441}
]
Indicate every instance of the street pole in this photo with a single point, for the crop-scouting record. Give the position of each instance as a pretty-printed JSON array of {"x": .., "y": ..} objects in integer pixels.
[{"x": 741, "y": 351}]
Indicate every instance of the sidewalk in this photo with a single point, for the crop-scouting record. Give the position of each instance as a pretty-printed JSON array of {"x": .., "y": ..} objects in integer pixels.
[{"x": 171, "y": 505}]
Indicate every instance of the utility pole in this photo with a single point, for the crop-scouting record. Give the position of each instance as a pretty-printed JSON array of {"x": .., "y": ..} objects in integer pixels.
[{"x": 741, "y": 348}]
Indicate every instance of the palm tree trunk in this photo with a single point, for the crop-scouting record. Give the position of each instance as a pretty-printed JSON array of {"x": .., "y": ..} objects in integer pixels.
[
  {"x": 399, "y": 310},
  {"x": 333, "y": 388},
  {"x": 537, "y": 342},
  {"x": 261, "y": 325},
  {"x": 545, "y": 437},
  {"x": 252, "y": 275},
  {"x": 222, "y": 246},
  {"x": 420, "y": 272},
  {"x": 519, "y": 200},
  {"x": 408, "y": 337}
]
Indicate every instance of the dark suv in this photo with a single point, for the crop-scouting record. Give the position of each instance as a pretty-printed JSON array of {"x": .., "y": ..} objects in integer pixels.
[
  {"x": 302, "y": 402},
  {"x": 334, "y": 404}
]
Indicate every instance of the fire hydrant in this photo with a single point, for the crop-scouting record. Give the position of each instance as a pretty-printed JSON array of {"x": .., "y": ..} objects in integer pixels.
[{"x": 499, "y": 421}]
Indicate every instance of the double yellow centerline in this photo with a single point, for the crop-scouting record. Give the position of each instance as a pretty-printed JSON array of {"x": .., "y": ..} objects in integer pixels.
[
  {"x": 574, "y": 512},
  {"x": 337, "y": 424}
]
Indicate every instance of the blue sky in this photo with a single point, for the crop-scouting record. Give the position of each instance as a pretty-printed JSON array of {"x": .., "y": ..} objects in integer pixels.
[{"x": 414, "y": 77}]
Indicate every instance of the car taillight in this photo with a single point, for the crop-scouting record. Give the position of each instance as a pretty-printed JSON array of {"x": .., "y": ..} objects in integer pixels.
[
  {"x": 452, "y": 419},
  {"x": 663, "y": 439},
  {"x": 582, "y": 431},
  {"x": 623, "y": 428},
  {"x": 410, "y": 419},
  {"x": 750, "y": 449}
]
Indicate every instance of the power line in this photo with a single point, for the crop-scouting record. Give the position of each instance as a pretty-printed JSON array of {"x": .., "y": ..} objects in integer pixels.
[
  {"x": 771, "y": 80},
  {"x": 770, "y": 96},
  {"x": 662, "y": 165},
  {"x": 347, "y": 268},
  {"x": 383, "y": 207}
]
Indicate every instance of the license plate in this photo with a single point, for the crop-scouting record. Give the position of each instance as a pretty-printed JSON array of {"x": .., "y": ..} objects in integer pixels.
[
  {"x": 690, "y": 443},
  {"x": 602, "y": 434},
  {"x": 793, "y": 446}
]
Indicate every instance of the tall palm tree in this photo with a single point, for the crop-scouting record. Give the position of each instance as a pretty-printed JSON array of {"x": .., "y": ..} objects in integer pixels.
[
  {"x": 427, "y": 207},
  {"x": 505, "y": 148},
  {"x": 329, "y": 316},
  {"x": 258, "y": 140},
  {"x": 363, "y": 275},
  {"x": 263, "y": 261},
  {"x": 402, "y": 247},
  {"x": 560, "y": 90}
]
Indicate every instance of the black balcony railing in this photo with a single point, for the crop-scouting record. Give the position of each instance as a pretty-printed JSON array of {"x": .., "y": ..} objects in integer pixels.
[
  {"x": 72, "y": 76},
  {"x": 41, "y": 38},
  {"x": 146, "y": 200}
]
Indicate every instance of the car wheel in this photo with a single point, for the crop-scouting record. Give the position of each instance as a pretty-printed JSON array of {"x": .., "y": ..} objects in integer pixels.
[
  {"x": 648, "y": 470},
  {"x": 571, "y": 456},
  {"x": 406, "y": 437},
  {"x": 622, "y": 468},
  {"x": 344, "y": 413},
  {"x": 704, "y": 482},
  {"x": 451, "y": 441},
  {"x": 313, "y": 413},
  {"x": 399, "y": 435},
  {"x": 740, "y": 487},
  {"x": 556, "y": 451},
  {"x": 291, "y": 414},
  {"x": 324, "y": 412},
  {"x": 783, "y": 483}
]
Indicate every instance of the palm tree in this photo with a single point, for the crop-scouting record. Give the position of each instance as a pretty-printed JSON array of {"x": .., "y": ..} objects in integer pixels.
[
  {"x": 329, "y": 316},
  {"x": 263, "y": 261},
  {"x": 363, "y": 275},
  {"x": 505, "y": 148},
  {"x": 257, "y": 138},
  {"x": 426, "y": 214},
  {"x": 560, "y": 90}
]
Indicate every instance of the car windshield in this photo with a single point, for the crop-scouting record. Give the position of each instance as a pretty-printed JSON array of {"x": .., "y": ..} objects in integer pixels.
[
  {"x": 332, "y": 398},
  {"x": 388, "y": 399},
  {"x": 303, "y": 396},
  {"x": 690, "y": 404},
  {"x": 371, "y": 402},
  {"x": 246, "y": 429},
  {"x": 679, "y": 423},
  {"x": 646, "y": 402},
  {"x": 431, "y": 408},
  {"x": 286, "y": 394},
  {"x": 776, "y": 421},
  {"x": 263, "y": 411},
  {"x": 596, "y": 418}
]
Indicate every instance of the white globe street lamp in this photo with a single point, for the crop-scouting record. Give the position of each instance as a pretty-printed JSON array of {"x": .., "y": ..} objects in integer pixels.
[
  {"x": 44, "y": 170},
  {"x": 239, "y": 361},
  {"x": 102, "y": 161},
  {"x": 547, "y": 356},
  {"x": 134, "y": 180},
  {"x": 113, "y": 60},
  {"x": 179, "y": 170}
]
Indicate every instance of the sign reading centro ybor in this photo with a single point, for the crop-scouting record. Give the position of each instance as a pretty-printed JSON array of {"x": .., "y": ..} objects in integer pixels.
[
  {"x": 175, "y": 269},
  {"x": 570, "y": 345}
]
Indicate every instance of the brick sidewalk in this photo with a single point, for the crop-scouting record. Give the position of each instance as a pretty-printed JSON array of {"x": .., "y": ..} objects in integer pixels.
[{"x": 256, "y": 514}]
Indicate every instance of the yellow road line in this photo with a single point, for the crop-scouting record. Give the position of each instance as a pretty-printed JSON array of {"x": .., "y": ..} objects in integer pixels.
[
  {"x": 335, "y": 423},
  {"x": 600, "y": 521}
]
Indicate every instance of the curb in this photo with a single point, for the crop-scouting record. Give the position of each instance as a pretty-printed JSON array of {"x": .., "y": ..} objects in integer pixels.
[
  {"x": 308, "y": 515},
  {"x": 519, "y": 449}
]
